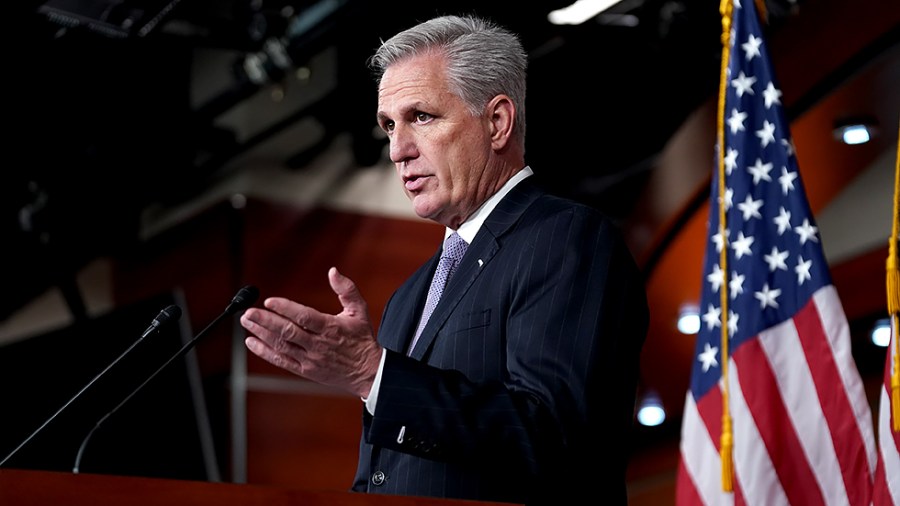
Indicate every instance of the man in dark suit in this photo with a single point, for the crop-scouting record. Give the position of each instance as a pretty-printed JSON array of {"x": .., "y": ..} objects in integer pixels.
[{"x": 516, "y": 380}]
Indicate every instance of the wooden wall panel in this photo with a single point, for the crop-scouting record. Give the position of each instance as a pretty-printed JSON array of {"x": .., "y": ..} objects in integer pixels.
[{"x": 307, "y": 440}]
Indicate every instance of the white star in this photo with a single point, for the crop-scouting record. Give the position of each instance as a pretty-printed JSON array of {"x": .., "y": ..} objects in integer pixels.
[
  {"x": 716, "y": 278},
  {"x": 767, "y": 297},
  {"x": 737, "y": 4},
  {"x": 772, "y": 95},
  {"x": 736, "y": 284},
  {"x": 708, "y": 357},
  {"x": 732, "y": 323},
  {"x": 776, "y": 259},
  {"x": 712, "y": 317},
  {"x": 736, "y": 121},
  {"x": 802, "y": 270},
  {"x": 787, "y": 180},
  {"x": 729, "y": 198},
  {"x": 750, "y": 208},
  {"x": 766, "y": 134},
  {"x": 788, "y": 146},
  {"x": 783, "y": 220},
  {"x": 760, "y": 171},
  {"x": 719, "y": 240},
  {"x": 806, "y": 232},
  {"x": 741, "y": 245},
  {"x": 743, "y": 84},
  {"x": 751, "y": 47},
  {"x": 731, "y": 160}
]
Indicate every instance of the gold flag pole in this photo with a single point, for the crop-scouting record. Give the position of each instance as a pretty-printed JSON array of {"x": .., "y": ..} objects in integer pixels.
[
  {"x": 893, "y": 295},
  {"x": 727, "y": 438}
]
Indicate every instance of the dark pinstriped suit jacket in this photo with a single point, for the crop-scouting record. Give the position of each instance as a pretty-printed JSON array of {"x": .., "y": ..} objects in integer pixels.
[{"x": 521, "y": 387}]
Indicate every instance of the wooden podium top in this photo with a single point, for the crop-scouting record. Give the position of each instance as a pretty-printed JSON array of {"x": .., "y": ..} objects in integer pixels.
[{"x": 26, "y": 487}]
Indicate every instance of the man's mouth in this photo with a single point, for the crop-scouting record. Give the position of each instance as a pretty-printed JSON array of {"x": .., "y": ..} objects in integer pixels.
[{"x": 414, "y": 183}]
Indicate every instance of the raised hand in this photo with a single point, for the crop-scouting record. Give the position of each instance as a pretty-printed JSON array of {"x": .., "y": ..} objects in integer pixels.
[{"x": 337, "y": 350}]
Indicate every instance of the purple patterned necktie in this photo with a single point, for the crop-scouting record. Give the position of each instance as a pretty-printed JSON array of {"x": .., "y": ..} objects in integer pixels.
[{"x": 454, "y": 249}]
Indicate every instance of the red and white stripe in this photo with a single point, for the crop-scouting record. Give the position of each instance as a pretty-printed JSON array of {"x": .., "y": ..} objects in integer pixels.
[
  {"x": 802, "y": 427},
  {"x": 887, "y": 473}
]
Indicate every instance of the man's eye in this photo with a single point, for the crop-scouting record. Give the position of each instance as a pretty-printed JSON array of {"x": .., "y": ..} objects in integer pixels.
[
  {"x": 388, "y": 126},
  {"x": 422, "y": 117}
]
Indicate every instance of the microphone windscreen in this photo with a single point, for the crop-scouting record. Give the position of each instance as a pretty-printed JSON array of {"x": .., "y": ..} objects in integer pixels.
[
  {"x": 171, "y": 313},
  {"x": 245, "y": 298}
]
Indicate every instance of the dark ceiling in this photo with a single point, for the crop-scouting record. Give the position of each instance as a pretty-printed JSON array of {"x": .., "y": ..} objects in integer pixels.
[{"x": 103, "y": 124}]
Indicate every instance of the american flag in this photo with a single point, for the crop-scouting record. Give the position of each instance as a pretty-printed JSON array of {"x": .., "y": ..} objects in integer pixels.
[
  {"x": 801, "y": 423},
  {"x": 887, "y": 472}
]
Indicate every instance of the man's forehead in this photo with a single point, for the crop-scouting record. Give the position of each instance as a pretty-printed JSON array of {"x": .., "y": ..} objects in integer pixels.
[{"x": 413, "y": 90}]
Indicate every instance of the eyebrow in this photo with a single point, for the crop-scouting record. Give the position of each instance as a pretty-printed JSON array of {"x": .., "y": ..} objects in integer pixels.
[{"x": 418, "y": 105}]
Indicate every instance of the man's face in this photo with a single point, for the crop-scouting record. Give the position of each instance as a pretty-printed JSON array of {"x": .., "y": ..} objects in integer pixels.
[{"x": 440, "y": 149}]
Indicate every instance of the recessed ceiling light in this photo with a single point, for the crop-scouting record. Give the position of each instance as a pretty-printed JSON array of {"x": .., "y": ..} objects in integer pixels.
[
  {"x": 855, "y": 132},
  {"x": 689, "y": 319},
  {"x": 881, "y": 333},
  {"x": 651, "y": 411},
  {"x": 580, "y": 11}
]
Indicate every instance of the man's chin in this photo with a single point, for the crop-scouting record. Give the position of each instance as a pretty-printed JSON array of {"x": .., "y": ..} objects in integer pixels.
[
  {"x": 426, "y": 210},
  {"x": 422, "y": 207}
]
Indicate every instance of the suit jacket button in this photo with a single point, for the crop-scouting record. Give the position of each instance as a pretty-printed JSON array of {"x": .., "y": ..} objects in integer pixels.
[{"x": 378, "y": 478}]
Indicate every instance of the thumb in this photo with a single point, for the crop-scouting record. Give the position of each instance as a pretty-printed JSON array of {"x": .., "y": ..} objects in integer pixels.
[{"x": 347, "y": 292}]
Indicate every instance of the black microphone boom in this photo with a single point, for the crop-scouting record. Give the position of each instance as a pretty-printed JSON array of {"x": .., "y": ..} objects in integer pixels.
[
  {"x": 245, "y": 298},
  {"x": 167, "y": 315}
]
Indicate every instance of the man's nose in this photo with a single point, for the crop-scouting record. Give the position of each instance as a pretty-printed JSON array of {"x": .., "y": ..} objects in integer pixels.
[{"x": 403, "y": 145}]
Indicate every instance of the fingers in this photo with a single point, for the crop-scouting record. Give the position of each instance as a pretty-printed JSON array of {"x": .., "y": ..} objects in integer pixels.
[
  {"x": 274, "y": 339},
  {"x": 338, "y": 350},
  {"x": 347, "y": 292},
  {"x": 277, "y": 333},
  {"x": 304, "y": 317},
  {"x": 261, "y": 349}
]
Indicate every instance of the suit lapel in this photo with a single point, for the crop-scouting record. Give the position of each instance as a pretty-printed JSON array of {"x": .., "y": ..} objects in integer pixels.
[
  {"x": 396, "y": 332},
  {"x": 478, "y": 255},
  {"x": 468, "y": 270}
]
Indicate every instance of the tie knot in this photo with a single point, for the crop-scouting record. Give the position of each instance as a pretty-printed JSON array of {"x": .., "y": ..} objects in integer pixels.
[{"x": 454, "y": 247}]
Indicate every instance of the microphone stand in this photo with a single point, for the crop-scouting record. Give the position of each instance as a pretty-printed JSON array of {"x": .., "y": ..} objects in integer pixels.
[
  {"x": 245, "y": 297},
  {"x": 171, "y": 313}
]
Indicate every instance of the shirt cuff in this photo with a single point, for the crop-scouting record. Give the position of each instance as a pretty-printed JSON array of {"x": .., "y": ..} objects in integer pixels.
[{"x": 373, "y": 392}]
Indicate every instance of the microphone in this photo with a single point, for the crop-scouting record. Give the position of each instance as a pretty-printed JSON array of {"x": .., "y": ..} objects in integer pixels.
[
  {"x": 171, "y": 313},
  {"x": 244, "y": 298},
  {"x": 167, "y": 315}
]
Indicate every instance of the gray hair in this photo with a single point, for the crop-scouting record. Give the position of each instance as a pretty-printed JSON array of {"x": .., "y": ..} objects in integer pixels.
[{"x": 483, "y": 60}]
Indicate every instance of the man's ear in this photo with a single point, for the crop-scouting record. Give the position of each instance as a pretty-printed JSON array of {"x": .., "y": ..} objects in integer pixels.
[{"x": 501, "y": 117}]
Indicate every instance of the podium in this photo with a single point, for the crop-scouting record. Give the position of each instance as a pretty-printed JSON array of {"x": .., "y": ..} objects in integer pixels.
[{"x": 29, "y": 487}]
